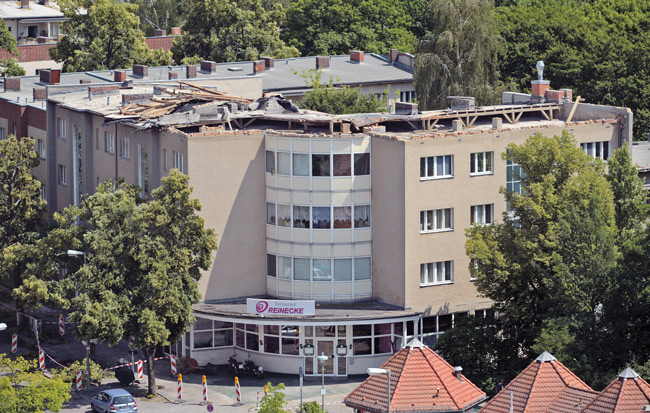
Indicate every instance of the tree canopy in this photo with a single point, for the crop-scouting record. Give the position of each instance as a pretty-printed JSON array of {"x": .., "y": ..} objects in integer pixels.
[
  {"x": 9, "y": 67},
  {"x": 142, "y": 266},
  {"x": 102, "y": 34},
  {"x": 160, "y": 14},
  {"x": 232, "y": 30}
]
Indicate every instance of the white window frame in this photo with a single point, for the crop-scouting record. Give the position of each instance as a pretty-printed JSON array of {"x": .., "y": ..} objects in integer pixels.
[
  {"x": 43, "y": 192},
  {"x": 599, "y": 150},
  {"x": 124, "y": 147},
  {"x": 435, "y": 213},
  {"x": 179, "y": 162},
  {"x": 41, "y": 148},
  {"x": 435, "y": 273},
  {"x": 62, "y": 173},
  {"x": 60, "y": 128},
  {"x": 109, "y": 142},
  {"x": 480, "y": 159},
  {"x": 436, "y": 160},
  {"x": 479, "y": 215}
]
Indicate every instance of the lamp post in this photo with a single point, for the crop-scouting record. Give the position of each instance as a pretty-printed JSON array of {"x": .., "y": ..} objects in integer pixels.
[
  {"x": 75, "y": 253},
  {"x": 374, "y": 372},
  {"x": 322, "y": 359}
]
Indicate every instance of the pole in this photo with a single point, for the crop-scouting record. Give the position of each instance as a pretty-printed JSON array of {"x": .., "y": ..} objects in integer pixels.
[
  {"x": 322, "y": 389},
  {"x": 388, "y": 373},
  {"x": 88, "y": 366},
  {"x": 301, "y": 374}
]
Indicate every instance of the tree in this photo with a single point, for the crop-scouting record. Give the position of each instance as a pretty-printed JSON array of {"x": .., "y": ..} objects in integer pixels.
[
  {"x": 24, "y": 389},
  {"x": 274, "y": 401},
  {"x": 9, "y": 67},
  {"x": 629, "y": 196},
  {"x": 106, "y": 36},
  {"x": 337, "y": 26},
  {"x": 233, "y": 30},
  {"x": 458, "y": 57},
  {"x": 22, "y": 211},
  {"x": 330, "y": 98},
  {"x": 160, "y": 14},
  {"x": 143, "y": 262}
]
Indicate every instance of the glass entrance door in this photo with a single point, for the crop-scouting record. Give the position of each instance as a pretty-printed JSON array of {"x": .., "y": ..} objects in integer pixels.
[{"x": 325, "y": 347}]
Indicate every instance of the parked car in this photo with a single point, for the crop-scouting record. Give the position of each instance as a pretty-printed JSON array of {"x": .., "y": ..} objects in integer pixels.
[{"x": 114, "y": 401}]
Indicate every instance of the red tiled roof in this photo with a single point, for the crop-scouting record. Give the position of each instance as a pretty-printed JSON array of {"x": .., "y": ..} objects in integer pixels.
[
  {"x": 544, "y": 383},
  {"x": 420, "y": 379},
  {"x": 628, "y": 393}
]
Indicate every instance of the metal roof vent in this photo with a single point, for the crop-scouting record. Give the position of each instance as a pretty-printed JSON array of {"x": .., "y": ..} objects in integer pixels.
[
  {"x": 235, "y": 69},
  {"x": 545, "y": 356},
  {"x": 540, "y": 70},
  {"x": 458, "y": 371}
]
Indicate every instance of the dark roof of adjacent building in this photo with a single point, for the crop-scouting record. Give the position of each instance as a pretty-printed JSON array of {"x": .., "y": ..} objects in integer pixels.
[{"x": 421, "y": 381}]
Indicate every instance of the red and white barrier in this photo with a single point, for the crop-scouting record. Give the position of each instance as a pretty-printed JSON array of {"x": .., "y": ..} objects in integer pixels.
[
  {"x": 205, "y": 390},
  {"x": 41, "y": 359},
  {"x": 180, "y": 386},
  {"x": 131, "y": 364},
  {"x": 172, "y": 360},
  {"x": 237, "y": 390},
  {"x": 139, "y": 376},
  {"x": 14, "y": 343},
  {"x": 79, "y": 383},
  {"x": 61, "y": 325}
]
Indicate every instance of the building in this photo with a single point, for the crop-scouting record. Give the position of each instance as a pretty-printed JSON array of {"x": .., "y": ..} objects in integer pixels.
[
  {"x": 641, "y": 158},
  {"x": 363, "y": 213}
]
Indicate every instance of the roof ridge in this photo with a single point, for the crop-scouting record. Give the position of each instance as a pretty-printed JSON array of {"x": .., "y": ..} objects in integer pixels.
[
  {"x": 638, "y": 381},
  {"x": 620, "y": 393},
  {"x": 532, "y": 387},
  {"x": 398, "y": 379}
]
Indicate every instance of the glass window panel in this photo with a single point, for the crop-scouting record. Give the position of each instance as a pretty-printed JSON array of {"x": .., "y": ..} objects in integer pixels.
[
  {"x": 284, "y": 267},
  {"x": 291, "y": 346},
  {"x": 309, "y": 365},
  {"x": 361, "y": 330},
  {"x": 291, "y": 331},
  {"x": 444, "y": 322},
  {"x": 223, "y": 338},
  {"x": 240, "y": 326},
  {"x": 325, "y": 331},
  {"x": 361, "y": 346},
  {"x": 272, "y": 344},
  {"x": 362, "y": 216},
  {"x": 343, "y": 270},
  {"x": 270, "y": 213},
  {"x": 222, "y": 324},
  {"x": 322, "y": 270},
  {"x": 203, "y": 339},
  {"x": 284, "y": 215},
  {"x": 270, "y": 265},
  {"x": 251, "y": 327},
  {"x": 342, "y": 165},
  {"x": 203, "y": 324},
  {"x": 301, "y": 217},
  {"x": 362, "y": 268},
  {"x": 472, "y": 163},
  {"x": 321, "y": 217},
  {"x": 320, "y": 165},
  {"x": 252, "y": 342},
  {"x": 430, "y": 166},
  {"x": 488, "y": 161},
  {"x": 309, "y": 332},
  {"x": 240, "y": 339},
  {"x": 448, "y": 165},
  {"x": 301, "y": 269},
  {"x": 440, "y": 165},
  {"x": 382, "y": 329},
  {"x": 423, "y": 167},
  {"x": 429, "y": 324},
  {"x": 362, "y": 164},
  {"x": 343, "y": 217},
  {"x": 284, "y": 163},
  {"x": 341, "y": 330},
  {"x": 270, "y": 162},
  {"x": 383, "y": 345},
  {"x": 398, "y": 329},
  {"x": 300, "y": 164}
]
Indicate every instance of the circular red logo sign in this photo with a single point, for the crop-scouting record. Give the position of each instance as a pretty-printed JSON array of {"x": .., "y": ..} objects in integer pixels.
[{"x": 261, "y": 306}]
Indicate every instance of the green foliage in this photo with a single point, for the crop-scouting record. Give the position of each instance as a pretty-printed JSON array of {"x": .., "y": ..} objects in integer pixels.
[
  {"x": 160, "y": 14},
  {"x": 233, "y": 30},
  {"x": 10, "y": 67},
  {"x": 337, "y": 26},
  {"x": 310, "y": 407},
  {"x": 24, "y": 389},
  {"x": 69, "y": 374},
  {"x": 7, "y": 40},
  {"x": 590, "y": 46},
  {"x": 458, "y": 56},
  {"x": 191, "y": 60},
  {"x": 274, "y": 401},
  {"x": 629, "y": 196},
  {"x": 143, "y": 262},
  {"x": 108, "y": 36},
  {"x": 332, "y": 98}
]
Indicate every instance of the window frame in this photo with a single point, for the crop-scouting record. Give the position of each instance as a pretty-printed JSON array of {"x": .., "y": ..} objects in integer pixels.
[
  {"x": 472, "y": 214},
  {"x": 477, "y": 159},
  {"x": 429, "y": 273},
  {"x": 434, "y": 217},
  {"x": 41, "y": 148},
  {"x": 62, "y": 175},
  {"x": 124, "y": 147},
  {"x": 433, "y": 162},
  {"x": 60, "y": 129},
  {"x": 109, "y": 143}
]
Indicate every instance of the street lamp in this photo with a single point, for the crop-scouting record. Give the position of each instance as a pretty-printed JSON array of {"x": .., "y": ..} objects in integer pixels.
[
  {"x": 374, "y": 372},
  {"x": 322, "y": 359}
]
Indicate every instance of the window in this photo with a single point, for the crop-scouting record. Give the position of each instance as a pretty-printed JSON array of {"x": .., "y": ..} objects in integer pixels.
[
  {"x": 284, "y": 268},
  {"x": 362, "y": 268},
  {"x": 596, "y": 149},
  {"x": 301, "y": 216},
  {"x": 342, "y": 166},
  {"x": 247, "y": 337},
  {"x": 208, "y": 333},
  {"x": 270, "y": 265},
  {"x": 480, "y": 163},
  {"x": 284, "y": 215},
  {"x": 361, "y": 164},
  {"x": 481, "y": 214},
  {"x": 301, "y": 269},
  {"x": 3, "y": 133},
  {"x": 284, "y": 163},
  {"x": 124, "y": 147},
  {"x": 320, "y": 165},
  {"x": 43, "y": 192},
  {"x": 164, "y": 159},
  {"x": 270, "y": 162},
  {"x": 322, "y": 269},
  {"x": 270, "y": 213},
  {"x": 343, "y": 217},
  {"x": 513, "y": 177},
  {"x": 272, "y": 339},
  {"x": 362, "y": 216},
  {"x": 433, "y": 273},
  {"x": 343, "y": 269},
  {"x": 433, "y": 167},
  {"x": 407, "y": 96},
  {"x": 109, "y": 142},
  {"x": 41, "y": 148},
  {"x": 60, "y": 128},
  {"x": 300, "y": 164},
  {"x": 62, "y": 175},
  {"x": 96, "y": 139},
  {"x": 374, "y": 339},
  {"x": 321, "y": 217},
  {"x": 179, "y": 162},
  {"x": 436, "y": 220}
]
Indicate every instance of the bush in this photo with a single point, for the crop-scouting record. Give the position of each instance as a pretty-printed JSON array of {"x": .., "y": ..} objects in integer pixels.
[
  {"x": 310, "y": 407},
  {"x": 69, "y": 374}
]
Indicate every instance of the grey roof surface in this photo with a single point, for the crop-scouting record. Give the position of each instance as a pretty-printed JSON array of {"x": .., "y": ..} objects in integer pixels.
[
  {"x": 12, "y": 10},
  {"x": 641, "y": 155}
]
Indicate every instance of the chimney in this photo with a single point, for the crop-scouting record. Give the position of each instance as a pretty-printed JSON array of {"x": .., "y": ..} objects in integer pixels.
[
  {"x": 190, "y": 71},
  {"x": 119, "y": 76},
  {"x": 176, "y": 31},
  {"x": 357, "y": 56},
  {"x": 24, "y": 4},
  {"x": 457, "y": 126},
  {"x": 394, "y": 54},
  {"x": 44, "y": 75},
  {"x": 258, "y": 66},
  {"x": 39, "y": 93},
  {"x": 269, "y": 62},
  {"x": 159, "y": 32},
  {"x": 55, "y": 76},
  {"x": 172, "y": 75},
  {"x": 208, "y": 66},
  {"x": 540, "y": 86},
  {"x": 140, "y": 70},
  {"x": 322, "y": 62},
  {"x": 497, "y": 123},
  {"x": 12, "y": 83}
]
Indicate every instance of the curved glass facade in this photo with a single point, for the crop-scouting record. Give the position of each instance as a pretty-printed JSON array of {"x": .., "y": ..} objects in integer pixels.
[{"x": 318, "y": 218}]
